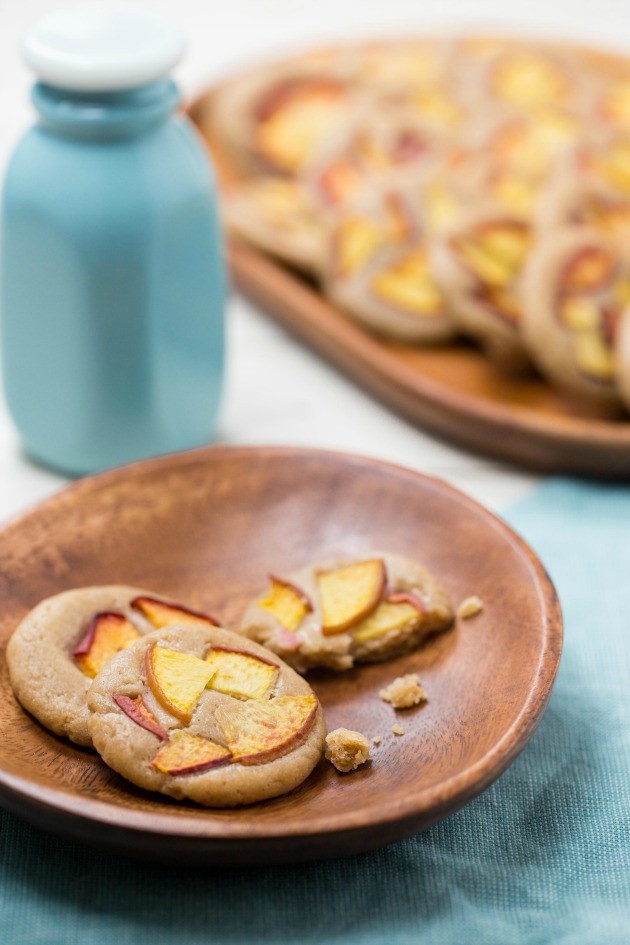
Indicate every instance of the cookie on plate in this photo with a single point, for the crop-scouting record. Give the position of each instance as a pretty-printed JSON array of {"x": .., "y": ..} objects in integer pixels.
[
  {"x": 276, "y": 120},
  {"x": 60, "y": 646},
  {"x": 338, "y": 612},
  {"x": 591, "y": 188},
  {"x": 576, "y": 287},
  {"x": 379, "y": 270},
  {"x": 200, "y": 713},
  {"x": 479, "y": 267},
  {"x": 278, "y": 215}
]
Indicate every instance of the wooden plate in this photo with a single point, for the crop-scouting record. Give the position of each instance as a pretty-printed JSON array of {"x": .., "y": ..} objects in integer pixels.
[
  {"x": 206, "y": 527},
  {"x": 452, "y": 391}
]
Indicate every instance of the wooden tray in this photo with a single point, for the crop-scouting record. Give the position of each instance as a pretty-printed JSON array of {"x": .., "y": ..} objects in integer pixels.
[
  {"x": 206, "y": 527},
  {"x": 452, "y": 391}
]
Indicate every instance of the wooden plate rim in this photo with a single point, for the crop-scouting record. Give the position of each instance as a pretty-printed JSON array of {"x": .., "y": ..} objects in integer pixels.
[{"x": 445, "y": 797}]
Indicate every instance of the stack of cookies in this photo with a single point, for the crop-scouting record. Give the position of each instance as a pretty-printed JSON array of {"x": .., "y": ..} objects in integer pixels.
[{"x": 455, "y": 187}]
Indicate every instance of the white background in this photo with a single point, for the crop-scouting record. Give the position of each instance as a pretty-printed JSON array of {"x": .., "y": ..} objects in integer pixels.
[{"x": 300, "y": 400}]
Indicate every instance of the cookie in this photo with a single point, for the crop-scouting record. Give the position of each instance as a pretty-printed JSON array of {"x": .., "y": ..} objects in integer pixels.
[
  {"x": 379, "y": 270},
  {"x": 276, "y": 120},
  {"x": 591, "y": 188},
  {"x": 338, "y": 612},
  {"x": 576, "y": 287},
  {"x": 479, "y": 267},
  {"x": 59, "y": 647},
  {"x": 199, "y": 713},
  {"x": 278, "y": 215}
]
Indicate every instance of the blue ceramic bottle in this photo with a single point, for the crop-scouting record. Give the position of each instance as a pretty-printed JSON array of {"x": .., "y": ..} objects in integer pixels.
[{"x": 112, "y": 284}]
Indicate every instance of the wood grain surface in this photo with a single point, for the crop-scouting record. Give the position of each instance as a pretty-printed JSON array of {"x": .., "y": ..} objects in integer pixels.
[
  {"x": 206, "y": 527},
  {"x": 453, "y": 391}
]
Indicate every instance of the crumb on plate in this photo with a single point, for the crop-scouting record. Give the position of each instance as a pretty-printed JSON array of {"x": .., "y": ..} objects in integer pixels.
[
  {"x": 346, "y": 749},
  {"x": 470, "y": 607},
  {"x": 376, "y": 740},
  {"x": 398, "y": 729},
  {"x": 404, "y": 692}
]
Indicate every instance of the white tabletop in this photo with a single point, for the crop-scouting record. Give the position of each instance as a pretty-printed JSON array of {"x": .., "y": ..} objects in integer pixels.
[{"x": 302, "y": 401}]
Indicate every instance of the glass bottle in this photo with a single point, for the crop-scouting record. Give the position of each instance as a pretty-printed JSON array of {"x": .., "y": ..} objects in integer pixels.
[{"x": 112, "y": 279}]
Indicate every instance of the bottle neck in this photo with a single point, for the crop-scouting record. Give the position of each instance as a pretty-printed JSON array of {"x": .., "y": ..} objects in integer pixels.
[{"x": 105, "y": 114}]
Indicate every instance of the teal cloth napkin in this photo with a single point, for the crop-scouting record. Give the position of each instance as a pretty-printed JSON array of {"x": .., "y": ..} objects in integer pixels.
[{"x": 542, "y": 857}]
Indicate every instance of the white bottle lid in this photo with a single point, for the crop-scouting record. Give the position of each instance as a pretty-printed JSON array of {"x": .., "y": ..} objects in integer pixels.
[{"x": 103, "y": 48}]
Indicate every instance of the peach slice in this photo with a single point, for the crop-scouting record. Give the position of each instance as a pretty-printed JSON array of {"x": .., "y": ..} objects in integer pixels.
[
  {"x": 282, "y": 203},
  {"x": 409, "y": 285},
  {"x": 340, "y": 181},
  {"x": 261, "y": 730},
  {"x": 294, "y": 118},
  {"x": 529, "y": 80},
  {"x": 580, "y": 314},
  {"x": 107, "y": 633},
  {"x": 163, "y": 614},
  {"x": 516, "y": 193},
  {"x": 356, "y": 241},
  {"x": 240, "y": 674},
  {"x": 494, "y": 252},
  {"x": 288, "y": 603},
  {"x": 441, "y": 206},
  {"x": 176, "y": 679},
  {"x": 349, "y": 594},
  {"x": 138, "y": 713},
  {"x": 593, "y": 356},
  {"x": 531, "y": 145},
  {"x": 190, "y": 754},
  {"x": 437, "y": 108},
  {"x": 589, "y": 269},
  {"x": 392, "y": 613},
  {"x": 616, "y": 103},
  {"x": 610, "y": 216}
]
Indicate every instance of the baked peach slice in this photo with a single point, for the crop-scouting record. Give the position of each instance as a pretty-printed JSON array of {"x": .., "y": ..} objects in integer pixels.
[
  {"x": 176, "y": 679},
  {"x": 239, "y": 674},
  {"x": 393, "y": 613},
  {"x": 349, "y": 594},
  {"x": 589, "y": 269},
  {"x": 162, "y": 613},
  {"x": 294, "y": 118},
  {"x": 261, "y": 730},
  {"x": 107, "y": 633},
  {"x": 494, "y": 252},
  {"x": 409, "y": 285},
  {"x": 138, "y": 712},
  {"x": 186, "y": 753},
  {"x": 615, "y": 103},
  {"x": 288, "y": 603},
  {"x": 529, "y": 79}
]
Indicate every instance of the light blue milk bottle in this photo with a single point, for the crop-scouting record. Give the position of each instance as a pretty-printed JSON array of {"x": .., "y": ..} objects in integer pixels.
[{"x": 112, "y": 280}]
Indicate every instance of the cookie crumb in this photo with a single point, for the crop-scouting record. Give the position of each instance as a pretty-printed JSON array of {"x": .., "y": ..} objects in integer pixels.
[
  {"x": 470, "y": 607},
  {"x": 404, "y": 692},
  {"x": 398, "y": 729},
  {"x": 376, "y": 740},
  {"x": 346, "y": 749}
]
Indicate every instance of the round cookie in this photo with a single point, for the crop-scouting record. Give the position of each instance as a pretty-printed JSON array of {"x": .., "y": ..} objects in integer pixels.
[
  {"x": 50, "y": 678},
  {"x": 576, "y": 286},
  {"x": 340, "y": 612},
  {"x": 479, "y": 266},
  {"x": 379, "y": 270},
  {"x": 240, "y": 726},
  {"x": 278, "y": 215}
]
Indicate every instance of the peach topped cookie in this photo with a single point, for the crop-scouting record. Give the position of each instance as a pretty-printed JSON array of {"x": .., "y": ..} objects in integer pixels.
[
  {"x": 64, "y": 642},
  {"x": 198, "y": 712},
  {"x": 480, "y": 267},
  {"x": 577, "y": 288},
  {"x": 339, "y": 612}
]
